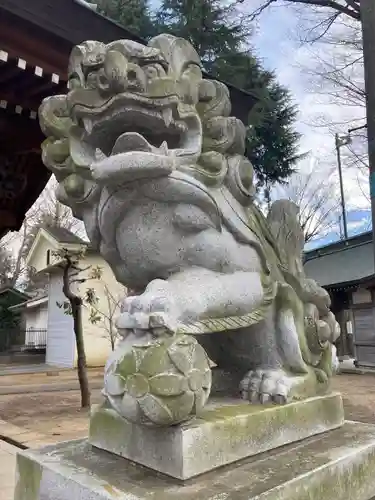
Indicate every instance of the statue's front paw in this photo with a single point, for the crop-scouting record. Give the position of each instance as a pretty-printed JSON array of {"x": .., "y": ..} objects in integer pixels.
[
  {"x": 265, "y": 386},
  {"x": 149, "y": 312}
]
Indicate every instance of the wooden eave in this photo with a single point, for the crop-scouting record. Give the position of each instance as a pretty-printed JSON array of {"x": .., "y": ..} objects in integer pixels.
[
  {"x": 45, "y": 31},
  {"x": 24, "y": 85},
  {"x": 36, "y": 38},
  {"x": 22, "y": 173},
  {"x": 51, "y": 40}
]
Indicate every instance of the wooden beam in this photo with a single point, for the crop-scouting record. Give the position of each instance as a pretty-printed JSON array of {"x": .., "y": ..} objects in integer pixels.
[
  {"x": 81, "y": 23},
  {"x": 7, "y": 218},
  {"x": 23, "y": 44},
  {"x": 13, "y": 65},
  {"x": 10, "y": 100},
  {"x": 33, "y": 176},
  {"x": 18, "y": 132}
]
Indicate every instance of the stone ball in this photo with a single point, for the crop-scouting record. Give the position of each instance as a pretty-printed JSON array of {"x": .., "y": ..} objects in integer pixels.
[{"x": 159, "y": 382}]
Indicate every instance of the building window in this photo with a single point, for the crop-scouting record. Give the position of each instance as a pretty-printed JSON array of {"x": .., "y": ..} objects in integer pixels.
[
  {"x": 48, "y": 257},
  {"x": 362, "y": 296}
]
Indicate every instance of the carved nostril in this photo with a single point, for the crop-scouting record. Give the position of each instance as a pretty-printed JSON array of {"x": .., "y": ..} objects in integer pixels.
[{"x": 136, "y": 77}]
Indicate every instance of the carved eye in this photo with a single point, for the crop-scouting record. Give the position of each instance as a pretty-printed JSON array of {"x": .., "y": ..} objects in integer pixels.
[
  {"x": 154, "y": 71},
  {"x": 151, "y": 73}
]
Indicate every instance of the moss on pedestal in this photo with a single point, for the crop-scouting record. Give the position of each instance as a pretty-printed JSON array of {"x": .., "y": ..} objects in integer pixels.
[
  {"x": 29, "y": 475},
  {"x": 337, "y": 465},
  {"x": 224, "y": 432}
]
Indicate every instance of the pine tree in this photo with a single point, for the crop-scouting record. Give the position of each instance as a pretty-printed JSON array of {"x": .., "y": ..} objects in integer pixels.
[
  {"x": 210, "y": 27},
  {"x": 220, "y": 36},
  {"x": 272, "y": 141},
  {"x": 134, "y": 15}
]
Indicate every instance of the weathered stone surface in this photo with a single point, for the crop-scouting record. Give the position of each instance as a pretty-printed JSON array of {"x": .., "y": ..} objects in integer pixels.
[
  {"x": 226, "y": 431},
  {"x": 147, "y": 155},
  {"x": 160, "y": 382},
  {"x": 339, "y": 465}
]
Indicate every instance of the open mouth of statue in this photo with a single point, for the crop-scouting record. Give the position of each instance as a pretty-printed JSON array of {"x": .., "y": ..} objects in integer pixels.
[{"x": 132, "y": 128}]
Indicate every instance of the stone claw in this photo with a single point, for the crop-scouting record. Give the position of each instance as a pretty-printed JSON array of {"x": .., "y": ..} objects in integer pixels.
[
  {"x": 148, "y": 312},
  {"x": 266, "y": 386}
]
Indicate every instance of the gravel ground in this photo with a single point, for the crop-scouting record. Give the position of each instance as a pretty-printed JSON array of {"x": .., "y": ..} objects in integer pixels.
[
  {"x": 358, "y": 392},
  {"x": 59, "y": 414}
]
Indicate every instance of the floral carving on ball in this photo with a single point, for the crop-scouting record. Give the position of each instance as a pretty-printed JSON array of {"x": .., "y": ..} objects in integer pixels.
[{"x": 163, "y": 382}]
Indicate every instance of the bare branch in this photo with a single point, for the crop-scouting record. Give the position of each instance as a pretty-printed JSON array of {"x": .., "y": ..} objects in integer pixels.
[
  {"x": 326, "y": 24},
  {"x": 104, "y": 314},
  {"x": 318, "y": 205},
  {"x": 80, "y": 269},
  {"x": 256, "y": 13},
  {"x": 351, "y": 8},
  {"x": 365, "y": 195}
]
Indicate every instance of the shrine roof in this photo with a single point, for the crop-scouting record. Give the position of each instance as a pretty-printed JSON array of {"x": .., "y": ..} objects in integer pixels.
[
  {"x": 342, "y": 263},
  {"x": 63, "y": 235}
]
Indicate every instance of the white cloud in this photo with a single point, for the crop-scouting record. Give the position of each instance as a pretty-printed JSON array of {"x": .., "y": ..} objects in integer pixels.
[
  {"x": 276, "y": 43},
  {"x": 358, "y": 224}
]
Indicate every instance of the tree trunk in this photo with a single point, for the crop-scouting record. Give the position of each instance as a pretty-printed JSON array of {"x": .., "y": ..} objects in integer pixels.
[
  {"x": 76, "y": 306},
  {"x": 110, "y": 317},
  {"x": 81, "y": 355},
  {"x": 111, "y": 335}
]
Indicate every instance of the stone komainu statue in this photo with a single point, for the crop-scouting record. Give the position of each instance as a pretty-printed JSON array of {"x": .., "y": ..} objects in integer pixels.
[{"x": 147, "y": 155}]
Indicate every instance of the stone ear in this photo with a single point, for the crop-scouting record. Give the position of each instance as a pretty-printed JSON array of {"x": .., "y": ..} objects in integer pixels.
[
  {"x": 178, "y": 53},
  {"x": 214, "y": 100},
  {"x": 86, "y": 54},
  {"x": 239, "y": 179}
]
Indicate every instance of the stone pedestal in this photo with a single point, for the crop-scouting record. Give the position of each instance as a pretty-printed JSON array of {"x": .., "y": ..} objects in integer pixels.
[
  {"x": 227, "y": 431},
  {"x": 337, "y": 465}
]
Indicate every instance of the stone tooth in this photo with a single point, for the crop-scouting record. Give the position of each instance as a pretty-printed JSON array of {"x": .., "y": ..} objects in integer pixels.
[
  {"x": 164, "y": 148},
  {"x": 87, "y": 124},
  {"x": 167, "y": 115}
]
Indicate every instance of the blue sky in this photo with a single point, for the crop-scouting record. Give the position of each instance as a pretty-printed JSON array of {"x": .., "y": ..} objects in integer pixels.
[{"x": 359, "y": 221}]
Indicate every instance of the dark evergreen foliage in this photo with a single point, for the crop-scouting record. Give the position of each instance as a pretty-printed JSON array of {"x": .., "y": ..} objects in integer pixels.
[
  {"x": 134, "y": 15},
  {"x": 220, "y": 34}
]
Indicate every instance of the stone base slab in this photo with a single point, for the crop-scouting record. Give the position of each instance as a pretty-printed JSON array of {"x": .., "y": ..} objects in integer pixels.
[
  {"x": 227, "y": 431},
  {"x": 338, "y": 465}
]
